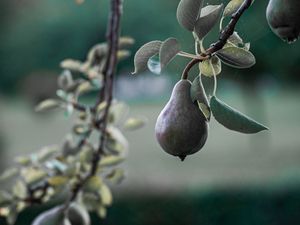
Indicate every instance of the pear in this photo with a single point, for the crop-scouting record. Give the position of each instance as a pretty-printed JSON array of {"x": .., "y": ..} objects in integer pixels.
[
  {"x": 54, "y": 216},
  {"x": 284, "y": 18},
  {"x": 181, "y": 128}
]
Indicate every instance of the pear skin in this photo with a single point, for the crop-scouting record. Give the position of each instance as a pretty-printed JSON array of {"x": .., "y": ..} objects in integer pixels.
[
  {"x": 181, "y": 128},
  {"x": 283, "y": 17}
]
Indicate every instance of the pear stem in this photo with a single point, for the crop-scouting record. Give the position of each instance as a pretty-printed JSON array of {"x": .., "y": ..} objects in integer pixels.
[{"x": 224, "y": 35}]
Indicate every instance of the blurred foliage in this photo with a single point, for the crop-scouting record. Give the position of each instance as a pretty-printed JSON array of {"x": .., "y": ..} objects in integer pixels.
[
  {"x": 234, "y": 207},
  {"x": 37, "y": 35}
]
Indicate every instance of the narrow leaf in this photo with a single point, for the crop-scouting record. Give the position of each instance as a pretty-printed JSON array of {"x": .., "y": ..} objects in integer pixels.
[
  {"x": 188, "y": 12},
  {"x": 236, "y": 57},
  {"x": 134, "y": 123},
  {"x": 47, "y": 104},
  {"x": 232, "y": 7},
  {"x": 144, "y": 54},
  {"x": 208, "y": 18},
  {"x": 198, "y": 94},
  {"x": 168, "y": 51},
  {"x": 233, "y": 119}
]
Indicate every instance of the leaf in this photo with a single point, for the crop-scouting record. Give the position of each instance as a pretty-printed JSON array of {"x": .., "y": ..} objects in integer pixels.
[
  {"x": 206, "y": 66},
  {"x": 9, "y": 174},
  {"x": 208, "y": 18},
  {"x": 233, "y": 119},
  {"x": 47, "y": 153},
  {"x": 153, "y": 65},
  {"x": 65, "y": 80},
  {"x": 116, "y": 142},
  {"x": 33, "y": 176},
  {"x": 235, "y": 39},
  {"x": 93, "y": 184},
  {"x": 116, "y": 176},
  {"x": 57, "y": 181},
  {"x": 117, "y": 113},
  {"x": 84, "y": 88},
  {"x": 123, "y": 54},
  {"x": 47, "y": 105},
  {"x": 125, "y": 42},
  {"x": 19, "y": 189},
  {"x": 144, "y": 54},
  {"x": 71, "y": 64},
  {"x": 5, "y": 198},
  {"x": 232, "y": 7},
  {"x": 188, "y": 12},
  {"x": 168, "y": 51},
  {"x": 110, "y": 161},
  {"x": 198, "y": 94},
  {"x": 236, "y": 57},
  {"x": 134, "y": 123},
  {"x": 105, "y": 195},
  {"x": 101, "y": 212}
]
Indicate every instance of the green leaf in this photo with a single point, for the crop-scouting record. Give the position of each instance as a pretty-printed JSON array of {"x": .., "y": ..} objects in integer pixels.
[
  {"x": 9, "y": 174},
  {"x": 236, "y": 57},
  {"x": 168, "y": 51},
  {"x": 188, "y": 12},
  {"x": 105, "y": 195},
  {"x": 233, "y": 119},
  {"x": 47, "y": 153},
  {"x": 5, "y": 198},
  {"x": 116, "y": 176},
  {"x": 110, "y": 161},
  {"x": 33, "y": 176},
  {"x": 71, "y": 64},
  {"x": 208, "y": 18},
  {"x": 235, "y": 39},
  {"x": 206, "y": 66},
  {"x": 198, "y": 94},
  {"x": 93, "y": 184},
  {"x": 19, "y": 189},
  {"x": 57, "y": 181},
  {"x": 134, "y": 123},
  {"x": 232, "y": 7},
  {"x": 101, "y": 211},
  {"x": 47, "y": 105},
  {"x": 144, "y": 54}
]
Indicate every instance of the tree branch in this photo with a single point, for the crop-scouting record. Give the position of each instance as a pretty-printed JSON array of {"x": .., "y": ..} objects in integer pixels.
[
  {"x": 225, "y": 34},
  {"x": 106, "y": 93}
]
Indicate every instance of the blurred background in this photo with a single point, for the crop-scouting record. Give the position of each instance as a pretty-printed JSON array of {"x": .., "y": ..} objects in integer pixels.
[{"x": 235, "y": 179}]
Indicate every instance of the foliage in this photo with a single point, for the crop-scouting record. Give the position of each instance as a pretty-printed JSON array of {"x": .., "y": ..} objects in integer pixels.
[{"x": 80, "y": 170}]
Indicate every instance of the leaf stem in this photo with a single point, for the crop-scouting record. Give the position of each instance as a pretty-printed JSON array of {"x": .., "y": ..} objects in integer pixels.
[{"x": 187, "y": 55}]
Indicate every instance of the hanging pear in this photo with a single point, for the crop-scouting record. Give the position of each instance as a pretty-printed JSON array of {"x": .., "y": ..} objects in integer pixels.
[
  {"x": 284, "y": 18},
  {"x": 181, "y": 128}
]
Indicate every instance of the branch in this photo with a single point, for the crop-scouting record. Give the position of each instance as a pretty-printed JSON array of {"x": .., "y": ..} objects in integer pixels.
[
  {"x": 225, "y": 34},
  {"x": 106, "y": 93}
]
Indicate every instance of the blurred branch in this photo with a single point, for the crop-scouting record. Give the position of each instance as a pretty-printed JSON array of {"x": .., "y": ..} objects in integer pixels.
[{"x": 106, "y": 93}]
